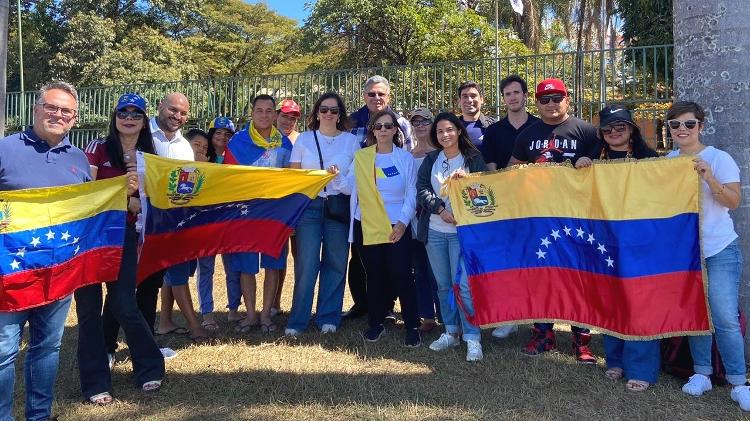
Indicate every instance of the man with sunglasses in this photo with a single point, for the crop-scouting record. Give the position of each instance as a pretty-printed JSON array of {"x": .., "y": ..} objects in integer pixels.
[
  {"x": 559, "y": 137},
  {"x": 377, "y": 97},
  {"x": 41, "y": 156},
  {"x": 470, "y": 100}
]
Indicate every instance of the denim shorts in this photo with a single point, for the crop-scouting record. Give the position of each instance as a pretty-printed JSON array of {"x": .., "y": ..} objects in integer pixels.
[{"x": 252, "y": 262}]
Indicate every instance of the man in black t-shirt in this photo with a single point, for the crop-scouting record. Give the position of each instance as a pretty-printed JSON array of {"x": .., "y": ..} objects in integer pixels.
[
  {"x": 557, "y": 138},
  {"x": 500, "y": 137}
]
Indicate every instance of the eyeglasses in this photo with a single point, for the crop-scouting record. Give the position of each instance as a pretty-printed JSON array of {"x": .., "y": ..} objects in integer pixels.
[
  {"x": 555, "y": 98},
  {"x": 133, "y": 115},
  {"x": 377, "y": 94},
  {"x": 381, "y": 126},
  {"x": 619, "y": 128},
  {"x": 51, "y": 109},
  {"x": 325, "y": 110},
  {"x": 688, "y": 124},
  {"x": 421, "y": 123}
]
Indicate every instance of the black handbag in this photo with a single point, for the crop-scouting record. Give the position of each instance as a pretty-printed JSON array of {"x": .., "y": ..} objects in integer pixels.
[{"x": 336, "y": 206}]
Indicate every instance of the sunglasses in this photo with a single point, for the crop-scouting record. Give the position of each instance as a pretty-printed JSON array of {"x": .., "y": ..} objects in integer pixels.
[
  {"x": 619, "y": 128},
  {"x": 133, "y": 115},
  {"x": 421, "y": 123},
  {"x": 688, "y": 124},
  {"x": 376, "y": 94},
  {"x": 547, "y": 98},
  {"x": 325, "y": 110},
  {"x": 381, "y": 126}
]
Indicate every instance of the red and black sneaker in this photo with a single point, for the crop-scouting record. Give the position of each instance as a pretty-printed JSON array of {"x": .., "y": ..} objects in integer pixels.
[
  {"x": 581, "y": 348},
  {"x": 540, "y": 342}
]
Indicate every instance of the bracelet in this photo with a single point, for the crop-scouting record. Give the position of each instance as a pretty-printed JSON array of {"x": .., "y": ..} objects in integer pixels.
[
  {"x": 441, "y": 210},
  {"x": 721, "y": 190}
]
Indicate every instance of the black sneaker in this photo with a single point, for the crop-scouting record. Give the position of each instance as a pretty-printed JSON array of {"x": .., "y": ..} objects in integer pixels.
[
  {"x": 412, "y": 339},
  {"x": 390, "y": 317},
  {"x": 374, "y": 334},
  {"x": 353, "y": 313}
]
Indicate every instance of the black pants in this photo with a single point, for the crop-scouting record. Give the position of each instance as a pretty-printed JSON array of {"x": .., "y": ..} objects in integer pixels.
[
  {"x": 357, "y": 279},
  {"x": 93, "y": 365},
  {"x": 388, "y": 268}
]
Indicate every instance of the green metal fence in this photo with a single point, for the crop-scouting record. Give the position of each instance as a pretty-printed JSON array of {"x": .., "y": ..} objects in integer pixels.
[{"x": 639, "y": 78}]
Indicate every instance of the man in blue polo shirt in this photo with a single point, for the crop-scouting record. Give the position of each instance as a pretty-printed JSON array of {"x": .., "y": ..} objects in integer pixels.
[{"x": 39, "y": 157}]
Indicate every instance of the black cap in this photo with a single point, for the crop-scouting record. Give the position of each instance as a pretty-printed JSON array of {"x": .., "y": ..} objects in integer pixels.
[{"x": 613, "y": 114}]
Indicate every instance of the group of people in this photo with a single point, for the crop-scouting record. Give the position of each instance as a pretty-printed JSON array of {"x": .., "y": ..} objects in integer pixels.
[{"x": 386, "y": 202}]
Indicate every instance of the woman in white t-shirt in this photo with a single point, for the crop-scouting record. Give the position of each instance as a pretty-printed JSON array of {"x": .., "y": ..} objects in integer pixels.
[
  {"x": 437, "y": 228},
  {"x": 723, "y": 260},
  {"x": 326, "y": 145}
]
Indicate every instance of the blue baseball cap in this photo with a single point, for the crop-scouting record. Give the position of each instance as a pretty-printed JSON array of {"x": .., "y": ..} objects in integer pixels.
[
  {"x": 132, "y": 100},
  {"x": 222, "y": 123}
]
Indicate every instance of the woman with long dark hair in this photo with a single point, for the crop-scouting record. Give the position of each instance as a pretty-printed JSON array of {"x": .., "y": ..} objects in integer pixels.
[
  {"x": 111, "y": 157},
  {"x": 455, "y": 154}
]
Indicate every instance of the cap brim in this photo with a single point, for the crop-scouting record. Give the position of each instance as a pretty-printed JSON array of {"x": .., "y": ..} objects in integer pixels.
[{"x": 550, "y": 92}]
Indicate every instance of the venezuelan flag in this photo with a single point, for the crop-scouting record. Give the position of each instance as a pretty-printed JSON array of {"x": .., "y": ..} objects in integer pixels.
[
  {"x": 615, "y": 247},
  {"x": 197, "y": 209},
  {"x": 241, "y": 150},
  {"x": 55, "y": 240}
]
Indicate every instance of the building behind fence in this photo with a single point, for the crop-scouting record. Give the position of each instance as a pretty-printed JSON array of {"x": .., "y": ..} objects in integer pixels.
[{"x": 639, "y": 78}]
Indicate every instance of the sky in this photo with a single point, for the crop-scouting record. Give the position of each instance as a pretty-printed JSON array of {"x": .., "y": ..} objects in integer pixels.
[{"x": 294, "y": 9}]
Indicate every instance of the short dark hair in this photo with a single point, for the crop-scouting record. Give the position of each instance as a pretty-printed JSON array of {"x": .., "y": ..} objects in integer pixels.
[
  {"x": 398, "y": 139},
  {"x": 264, "y": 97},
  {"x": 469, "y": 84},
  {"x": 312, "y": 119},
  {"x": 682, "y": 107},
  {"x": 514, "y": 78},
  {"x": 196, "y": 132},
  {"x": 464, "y": 143}
]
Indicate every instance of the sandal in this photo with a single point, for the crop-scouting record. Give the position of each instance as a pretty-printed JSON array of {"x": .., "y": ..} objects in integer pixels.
[
  {"x": 152, "y": 386},
  {"x": 268, "y": 327},
  {"x": 179, "y": 330},
  {"x": 245, "y": 327},
  {"x": 636, "y": 385},
  {"x": 614, "y": 373},
  {"x": 199, "y": 339},
  {"x": 101, "y": 399},
  {"x": 211, "y": 326}
]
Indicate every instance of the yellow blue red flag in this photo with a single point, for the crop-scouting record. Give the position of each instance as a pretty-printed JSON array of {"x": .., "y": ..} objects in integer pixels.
[
  {"x": 197, "y": 209},
  {"x": 615, "y": 247},
  {"x": 55, "y": 240}
]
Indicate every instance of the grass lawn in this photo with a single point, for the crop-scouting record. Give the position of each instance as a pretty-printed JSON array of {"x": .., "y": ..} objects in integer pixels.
[{"x": 341, "y": 377}]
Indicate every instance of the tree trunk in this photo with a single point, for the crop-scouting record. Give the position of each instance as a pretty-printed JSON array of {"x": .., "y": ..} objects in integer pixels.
[
  {"x": 4, "y": 5},
  {"x": 711, "y": 67}
]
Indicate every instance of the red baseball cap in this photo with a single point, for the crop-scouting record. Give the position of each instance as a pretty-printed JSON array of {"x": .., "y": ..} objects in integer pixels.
[
  {"x": 550, "y": 86},
  {"x": 288, "y": 106}
]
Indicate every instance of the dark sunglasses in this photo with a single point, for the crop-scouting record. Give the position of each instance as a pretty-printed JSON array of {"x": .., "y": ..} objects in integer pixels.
[
  {"x": 421, "y": 123},
  {"x": 378, "y": 94},
  {"x": 555, "y": 98},
  {"x": 380, "y": 126},
  {"x": 619, "y": 128},
  {"x": 689, "y": 124},
  {"x": 133, "y": 115},
  {"x": 332, "y": 110}
]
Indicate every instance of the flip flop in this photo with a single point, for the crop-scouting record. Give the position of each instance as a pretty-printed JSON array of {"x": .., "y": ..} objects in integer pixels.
[
  {"x": 636, "y": 385},
  {"x": 614, "y": 373},
  {"x": 244, "y": 328},
  {"x": 210, "y": 326},
  {"x": 101, "y": 399},
  {"x": 179, "y": 330},
  {"x": 268, "y": 327},
  {"x": 151, "y": 386}
]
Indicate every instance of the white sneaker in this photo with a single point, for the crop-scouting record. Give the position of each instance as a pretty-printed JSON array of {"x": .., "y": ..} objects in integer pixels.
[
  {"x": 474, "y": 351},
  {"x": 444, "y": 342},
  {"x": 292, "y": 332},
  {"x": 741, "y": 395},
  {"x": 503, "y": 332},
  {"x": 168, "y": 353},
  {"x": 697, "y": 385},
  {"x": 111, "y": 358},
  {"x": 328, "y": 328}
]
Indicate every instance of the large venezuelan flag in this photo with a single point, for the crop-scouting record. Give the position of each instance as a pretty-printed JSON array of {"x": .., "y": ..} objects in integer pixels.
[
  {"x": 55, "y": 240},
  {"x": 615, "y": 247},
  {"x": 197, "y": 209}
]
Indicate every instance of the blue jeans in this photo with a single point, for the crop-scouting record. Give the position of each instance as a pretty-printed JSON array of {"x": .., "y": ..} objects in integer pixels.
[
  {"x": 639, "y": 360},
  {"x": 444, "y": 252},
  {"x": 205, "y": 277},
  {"x": 428, "y": 303},
  {"x": 314, "y": 231},
  {"x": 46, "y": 327},
  {"x": 723, "y": 270}
]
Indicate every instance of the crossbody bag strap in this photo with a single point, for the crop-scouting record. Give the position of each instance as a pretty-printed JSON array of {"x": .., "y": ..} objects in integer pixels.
[{"x": 320, "y": 156}]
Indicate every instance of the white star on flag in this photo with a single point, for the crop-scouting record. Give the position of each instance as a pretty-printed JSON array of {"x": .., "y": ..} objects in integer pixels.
[
  {"x": 65, "y": 236},
  {"x": 50, "y": 235},
  {"x": 21, "y": 252},
  {"x": 546, "y": 242},
  {"x": 610, "y": 262},
  {"x": 591, "y": 239},
  {"x": 78, "y": 247},
  {"x": 75, "y": 240},
  {"x": 15, "y": 264},
  {"x": 555, "y": 234},
  {"x": 180, "y": 224},
  {"x": 601, "y": 248},
  {"x": 244, "y": 211},
  {"x": 35, "y": 241},
  {"x": 580, "y": 232},
  {"x": 191, "y": 217},
  {"x": 540, "y": 254},
  {"x": 567, "y": 230}
]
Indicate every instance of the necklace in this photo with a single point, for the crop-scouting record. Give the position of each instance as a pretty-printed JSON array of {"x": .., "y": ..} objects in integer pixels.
[{"x": 329, "y": 140}]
